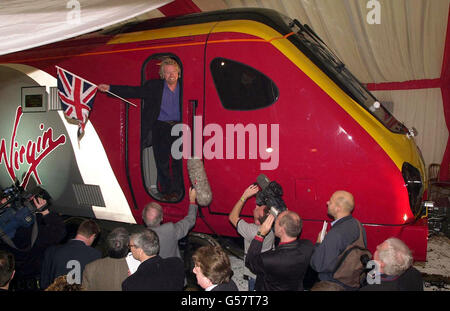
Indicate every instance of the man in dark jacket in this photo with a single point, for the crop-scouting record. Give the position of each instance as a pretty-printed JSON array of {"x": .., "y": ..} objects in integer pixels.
[
  {"x": 161, "y": 111},
  {"x": 154, "y": 273},
  {"x": 71, "y": 258},
  {"x": 395, "y": 271},
  {"x": 344, "y": 231},
  {"x": 284, "y": 268}
]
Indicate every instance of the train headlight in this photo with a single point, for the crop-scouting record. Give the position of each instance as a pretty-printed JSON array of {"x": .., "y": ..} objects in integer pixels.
[{"x": 414, "y": 184}]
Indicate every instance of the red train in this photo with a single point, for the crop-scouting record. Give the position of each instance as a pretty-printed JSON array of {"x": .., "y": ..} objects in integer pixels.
[{"x": 264, "y": 95}]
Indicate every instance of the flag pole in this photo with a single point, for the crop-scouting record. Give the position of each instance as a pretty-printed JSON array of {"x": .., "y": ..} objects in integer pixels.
[
  {"x": 121, "y": 98},
  {"x": 97, "y": 86}
]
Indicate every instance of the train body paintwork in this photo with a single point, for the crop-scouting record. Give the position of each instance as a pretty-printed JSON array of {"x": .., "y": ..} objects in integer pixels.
[{"x": 322, "y": 136}]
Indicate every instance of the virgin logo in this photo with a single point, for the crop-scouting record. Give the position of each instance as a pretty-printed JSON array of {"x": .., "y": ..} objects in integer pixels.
[{"x": 32, "y": 154}]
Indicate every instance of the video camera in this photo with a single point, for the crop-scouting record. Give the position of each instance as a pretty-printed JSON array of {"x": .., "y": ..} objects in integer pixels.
[
  {"x": 18, "y": 209},
  {"x": 270, "y": 196}
]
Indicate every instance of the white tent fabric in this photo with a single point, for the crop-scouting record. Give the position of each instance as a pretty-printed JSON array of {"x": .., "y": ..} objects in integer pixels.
[
  {"x": 29, "y": 23},
  {"x": 407, "y": 44},
  {"x": 422, "y": 109}
]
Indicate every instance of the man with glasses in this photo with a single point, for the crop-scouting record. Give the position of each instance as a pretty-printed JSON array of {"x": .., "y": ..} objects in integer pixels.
[{"x": 154, "y": 273}]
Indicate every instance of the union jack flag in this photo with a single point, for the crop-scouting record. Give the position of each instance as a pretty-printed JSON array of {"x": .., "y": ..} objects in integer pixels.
[{"x": 77, "y": 97}]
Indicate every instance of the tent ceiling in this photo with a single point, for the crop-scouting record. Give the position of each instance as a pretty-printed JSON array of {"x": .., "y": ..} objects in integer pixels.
[
  {"x": 408, "y": 44},
  {"x": 407, "y": 54},
  {"x": 28, "y": 23}
]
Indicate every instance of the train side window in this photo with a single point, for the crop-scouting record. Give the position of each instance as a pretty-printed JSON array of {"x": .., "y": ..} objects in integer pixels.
[{"x": 241, "y": 87}]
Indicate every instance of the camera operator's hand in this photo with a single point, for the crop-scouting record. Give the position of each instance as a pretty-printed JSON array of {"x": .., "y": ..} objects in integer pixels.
[
  {"x": 3, "y": 201},
  {"x": 250, "y": 191},
  {"x": 45, "y": 212},
  {"x": 264, "y": 229},
  {"x": 192, "y": 195},
  {"x": 40, "y": 203}
]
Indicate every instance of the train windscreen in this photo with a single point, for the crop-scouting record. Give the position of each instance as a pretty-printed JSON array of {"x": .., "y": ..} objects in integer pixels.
[{"x": 316, "y": 50}]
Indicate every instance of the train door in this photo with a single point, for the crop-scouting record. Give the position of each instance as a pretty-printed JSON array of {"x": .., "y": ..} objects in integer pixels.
[
  {"x": 142, "y": 168},
  {"x": 151, "y": 70},
  {"x": 241, "y": 128}
]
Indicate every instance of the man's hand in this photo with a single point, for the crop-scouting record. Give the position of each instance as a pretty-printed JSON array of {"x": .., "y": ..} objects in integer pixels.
[
  {"x": 103, "y": 87},
  {"x": 267, "y": 225},
  {"x": 192, "y": 195},
  {"x": 45, "y": 212},
  {"x": 250, "y": 191},
  {"x": 236, "y": 211},
  {"x": 319, "y": 240},
  {"x": 40, "y": 203}
]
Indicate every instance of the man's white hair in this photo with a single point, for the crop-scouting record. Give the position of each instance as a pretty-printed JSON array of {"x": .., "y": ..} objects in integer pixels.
[{"x": 396, "y": 256}]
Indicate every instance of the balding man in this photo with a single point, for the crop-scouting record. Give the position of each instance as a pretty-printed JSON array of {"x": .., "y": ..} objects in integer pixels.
[
  {"x": 283, "y": 268},
  {"x": 344, "y": 231}
]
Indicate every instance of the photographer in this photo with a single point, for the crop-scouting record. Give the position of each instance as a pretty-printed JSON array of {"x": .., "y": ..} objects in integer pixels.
[
  {"x": 249, "y": 230},
  {"x": 46, "y": 229},
  {"x": 283, "y": 268}
]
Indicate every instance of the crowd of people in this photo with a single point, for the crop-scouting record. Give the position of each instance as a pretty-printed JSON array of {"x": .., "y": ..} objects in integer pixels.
[
  {"x": 284, "y": 266},
  {"x": 148, "y": 259}
]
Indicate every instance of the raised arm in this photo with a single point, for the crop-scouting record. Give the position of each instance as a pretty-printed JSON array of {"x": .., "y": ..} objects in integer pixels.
[
  {"x": 236, "y": 211},
  {"x": 183, "y": 226},
  {"x": 125, "y": 91}
]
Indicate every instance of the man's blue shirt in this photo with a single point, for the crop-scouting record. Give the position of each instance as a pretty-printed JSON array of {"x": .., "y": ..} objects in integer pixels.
[{"x": 170, "y": 105}]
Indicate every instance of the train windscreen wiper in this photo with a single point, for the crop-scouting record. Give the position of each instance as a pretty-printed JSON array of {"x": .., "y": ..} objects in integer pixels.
[{"x": 320, "y": 53}]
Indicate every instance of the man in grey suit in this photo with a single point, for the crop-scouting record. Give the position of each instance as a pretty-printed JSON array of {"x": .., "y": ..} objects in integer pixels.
[
  {"x": 169, "y": 233},
  {"x": 107, "y": 274}
]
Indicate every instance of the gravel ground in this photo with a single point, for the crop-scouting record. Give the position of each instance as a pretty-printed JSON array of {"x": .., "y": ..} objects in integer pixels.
[{"x": 436, "y": 270}]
